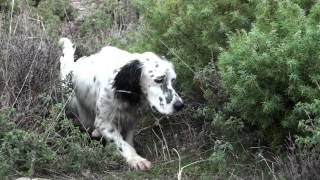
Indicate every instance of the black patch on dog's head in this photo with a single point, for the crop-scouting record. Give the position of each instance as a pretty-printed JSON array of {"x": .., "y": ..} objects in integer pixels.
[
  {"x": 111, "y": 130},
  {"x": 167, "y": 92},
  {"x": 127, "y": 82}
]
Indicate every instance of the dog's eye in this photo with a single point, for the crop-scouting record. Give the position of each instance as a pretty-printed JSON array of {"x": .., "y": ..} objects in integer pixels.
[{"x": 159, "y": 80}]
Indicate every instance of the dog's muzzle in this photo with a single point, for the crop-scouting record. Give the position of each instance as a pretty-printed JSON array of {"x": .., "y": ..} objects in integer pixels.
[{"x": 178, "y": 105}]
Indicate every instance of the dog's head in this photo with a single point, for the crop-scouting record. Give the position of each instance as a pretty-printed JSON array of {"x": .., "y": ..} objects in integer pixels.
[
  {"x": 152, "y": 77},
  {"x": 157, "y": 81}
]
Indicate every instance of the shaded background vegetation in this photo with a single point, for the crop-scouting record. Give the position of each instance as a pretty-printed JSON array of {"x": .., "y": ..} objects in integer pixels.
[{"x": 248, "y": 71}]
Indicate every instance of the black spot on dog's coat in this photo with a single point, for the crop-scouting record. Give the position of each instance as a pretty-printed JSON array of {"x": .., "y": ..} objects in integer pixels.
[
  {"x": 120, "y": 149},
  {"x": 167, "y": 92},
  {"x": 127, "y": 83},
  {"x": 94, "y": 79},
  {"x": 169, "y": 96},
  {"x": 161, "y": 101}
]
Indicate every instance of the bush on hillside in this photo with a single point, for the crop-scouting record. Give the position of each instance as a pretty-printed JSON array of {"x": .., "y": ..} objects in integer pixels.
[
  {"x": 271, "y": 72},
  {"x": 189, "y": 33}
]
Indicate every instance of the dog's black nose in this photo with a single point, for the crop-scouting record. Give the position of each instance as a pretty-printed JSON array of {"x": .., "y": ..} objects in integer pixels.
[{"x": 178, "y": 105}]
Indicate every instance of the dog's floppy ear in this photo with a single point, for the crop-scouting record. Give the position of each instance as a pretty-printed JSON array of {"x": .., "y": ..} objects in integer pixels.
[{"x": 127, "y": 82}]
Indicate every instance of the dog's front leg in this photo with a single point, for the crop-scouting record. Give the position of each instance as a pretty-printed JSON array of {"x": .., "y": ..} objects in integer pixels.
[
  {"x": 109, "y": 131},
  {"x": 129, "y": 137}
]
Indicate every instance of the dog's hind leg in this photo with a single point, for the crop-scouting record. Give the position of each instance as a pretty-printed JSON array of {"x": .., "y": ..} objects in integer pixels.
[{"x": 86, "y": 118}]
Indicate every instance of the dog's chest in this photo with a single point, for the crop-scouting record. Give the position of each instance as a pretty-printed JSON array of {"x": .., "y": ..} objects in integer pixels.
[{"x": 125, "y": 114}]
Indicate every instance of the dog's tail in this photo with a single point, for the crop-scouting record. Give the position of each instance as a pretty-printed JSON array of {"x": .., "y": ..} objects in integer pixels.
[{"x": 67, "y": 59}]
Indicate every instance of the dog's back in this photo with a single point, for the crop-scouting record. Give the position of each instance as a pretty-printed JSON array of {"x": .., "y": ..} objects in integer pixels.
[{"x": 90, "y": 75}]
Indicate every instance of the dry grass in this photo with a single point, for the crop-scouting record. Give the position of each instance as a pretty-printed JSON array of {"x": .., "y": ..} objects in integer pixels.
[
  {"x": 301, "y": 162},
  {"x": 28, "y": 64}
]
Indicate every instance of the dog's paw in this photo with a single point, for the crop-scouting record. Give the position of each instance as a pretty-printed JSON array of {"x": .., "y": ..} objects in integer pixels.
[{"x": 139, "y": 163}]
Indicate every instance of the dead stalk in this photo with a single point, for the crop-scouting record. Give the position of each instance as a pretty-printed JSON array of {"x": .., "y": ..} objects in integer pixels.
[{"x": 190, "y": 164}]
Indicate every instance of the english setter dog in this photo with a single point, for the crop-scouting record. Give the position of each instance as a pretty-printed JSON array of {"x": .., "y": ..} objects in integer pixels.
[{"x": 111, "y": 85}]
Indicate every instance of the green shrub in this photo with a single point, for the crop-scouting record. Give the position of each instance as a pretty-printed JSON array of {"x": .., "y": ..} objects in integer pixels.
[
  {"x": 308, "y": 115},
  {"x": 305, "y": 4},
  {"x": 55, "y": 144},
  {"x": 53, "y": 13},
  {"x": 20, "y": 150},
  {"x": 270, "y": 70},
  {"x": 24, "y": 151},
  {"x": 189, "y": 33}
]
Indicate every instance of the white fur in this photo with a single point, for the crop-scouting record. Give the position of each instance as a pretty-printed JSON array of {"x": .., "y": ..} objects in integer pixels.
[{"x": 98, "y": 107}]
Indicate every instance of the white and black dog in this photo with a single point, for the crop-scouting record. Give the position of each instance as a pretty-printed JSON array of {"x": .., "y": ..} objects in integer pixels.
[{"x": 109, "y": 88}]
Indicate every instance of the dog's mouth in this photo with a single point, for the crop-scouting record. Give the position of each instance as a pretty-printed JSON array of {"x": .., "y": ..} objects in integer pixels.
[{"x": 154, "y": 109}]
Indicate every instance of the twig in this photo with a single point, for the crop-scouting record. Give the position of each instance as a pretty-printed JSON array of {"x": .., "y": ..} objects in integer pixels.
[
  {"x": 11, "y": 15},
  {"x": 264, "y": 159},
  {"x": 178, "y": 57},
  {"x": 165, "y": 142},
  {"x": 190, "y": 164},
  {"x": 156, "y": 123}
]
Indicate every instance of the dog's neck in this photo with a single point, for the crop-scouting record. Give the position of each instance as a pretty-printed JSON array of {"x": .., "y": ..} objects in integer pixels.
[
  {"x": 131, "y": 98},
  {"x": 127, "y": 83}
]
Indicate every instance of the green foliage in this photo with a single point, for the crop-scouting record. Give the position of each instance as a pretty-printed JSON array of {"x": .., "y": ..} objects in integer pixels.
[
  {"x": 95, "y": 25},
  {"x": 271, "y": 69},
  {"x": 24, "y": 150},
  {"x": 305, "y": 4},
  {"x": 188, "y": 32},
  {"x": 54, "y": 12},
  {"x": 100, "y": 19},
  {"x": 55, "y": 144},
  {"x": 308, "y": 115},
  {"x": 219, "y": 157}
]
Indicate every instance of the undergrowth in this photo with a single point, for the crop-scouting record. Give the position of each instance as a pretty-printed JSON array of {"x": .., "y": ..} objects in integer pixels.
[
  {"x": 37, "y": 139},
  {"x": 247, "y": 71}
]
